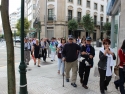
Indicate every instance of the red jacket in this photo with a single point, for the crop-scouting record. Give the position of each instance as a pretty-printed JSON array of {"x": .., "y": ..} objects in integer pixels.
[{"x": 121, "y": 57}]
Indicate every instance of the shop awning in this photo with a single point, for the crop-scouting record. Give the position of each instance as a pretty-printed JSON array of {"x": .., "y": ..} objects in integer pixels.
[
  {"x": 32, "y": 33},
  {"x": 109, "y": 6}
]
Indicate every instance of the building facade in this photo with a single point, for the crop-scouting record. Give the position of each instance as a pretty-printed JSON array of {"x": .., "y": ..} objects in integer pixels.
[
  {"x": 55, "y": 14},
  {"x": 114, "y": 10},
  {"x": 13, "y": 21},
  {"x": 30, "y": 13}
]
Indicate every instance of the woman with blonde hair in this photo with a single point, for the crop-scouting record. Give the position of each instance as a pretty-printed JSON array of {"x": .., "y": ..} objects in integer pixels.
[{"x": 36, "y": 50}]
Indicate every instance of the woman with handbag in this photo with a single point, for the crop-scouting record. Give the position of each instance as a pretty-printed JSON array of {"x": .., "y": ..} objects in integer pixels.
[
  {"x": 106, "y": 62},
  {"x": 59, "y": 51},
  {"x": 36, "y": 50}
]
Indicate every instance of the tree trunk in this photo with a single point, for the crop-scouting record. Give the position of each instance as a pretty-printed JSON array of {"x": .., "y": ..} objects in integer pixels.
[{"x": 9, "y": 46}]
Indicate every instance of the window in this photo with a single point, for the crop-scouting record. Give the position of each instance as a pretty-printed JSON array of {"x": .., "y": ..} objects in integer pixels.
[
  {"x": 102, "y": 8},
  {"x": 79, "y": 2},
  {"x": 107, "y": 19},
  {"x": 50, "y": 14},
  {"x": 101, "y": 19},
  {"x": 95, "y": 6},
  {"x": 70, "y": 0},
  {"x": 69, "y": 15},
  {"x": 95, "y": 19},
  {"x": 79, "y": 16},
  {"x": 88, "y": 4}
]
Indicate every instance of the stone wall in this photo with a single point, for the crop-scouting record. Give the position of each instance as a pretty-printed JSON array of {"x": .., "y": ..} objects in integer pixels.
[{"x": 122, "y": 24}]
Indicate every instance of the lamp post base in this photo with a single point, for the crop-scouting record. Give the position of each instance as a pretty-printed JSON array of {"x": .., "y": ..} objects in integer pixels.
[{"x": 23, "y": 80}]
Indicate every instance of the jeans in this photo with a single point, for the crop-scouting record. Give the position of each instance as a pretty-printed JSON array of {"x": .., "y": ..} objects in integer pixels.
[
  {"x": 61, "y": 65},
  {"x": 53, "y": 53},
  {"x": 121, "y": 80}
]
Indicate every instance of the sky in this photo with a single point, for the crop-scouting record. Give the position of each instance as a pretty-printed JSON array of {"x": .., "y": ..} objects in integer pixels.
[{"x": 13, "y": 5}]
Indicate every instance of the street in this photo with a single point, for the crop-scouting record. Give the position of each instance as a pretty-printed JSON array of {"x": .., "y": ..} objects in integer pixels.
[
  {"x": 3, "y": 58},
  {"x": 45, "y": 80}
]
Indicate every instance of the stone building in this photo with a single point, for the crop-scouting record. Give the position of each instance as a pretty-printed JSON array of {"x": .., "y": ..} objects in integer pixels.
[
  {"x": 59, "y": 12},
  {"x": 116, "y": 9}
]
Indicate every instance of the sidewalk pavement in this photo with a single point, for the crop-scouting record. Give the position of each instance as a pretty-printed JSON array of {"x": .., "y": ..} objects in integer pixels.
[{"x": 45, "y": 80}]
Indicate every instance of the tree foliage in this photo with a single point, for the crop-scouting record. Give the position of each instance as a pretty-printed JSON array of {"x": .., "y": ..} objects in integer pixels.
[
  {"x": 88, "y": 23},
  {"x": 26, "y": 26},
  {"x": 107, "y": 28},
  {"x": 72, "y": 25}
]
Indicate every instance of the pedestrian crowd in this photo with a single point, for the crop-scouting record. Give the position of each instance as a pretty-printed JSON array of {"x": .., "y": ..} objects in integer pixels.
[{"x": 78, "y": 54}]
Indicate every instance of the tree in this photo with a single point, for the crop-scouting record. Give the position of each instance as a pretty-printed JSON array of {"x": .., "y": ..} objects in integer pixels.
[
  {"x": 88, "y": 23},
  {"x": 107, "y": 28},
  {"x": 72, "y": 25},
  {"x": 26, "y": 26},
  {"x": 10, "y": 48}
]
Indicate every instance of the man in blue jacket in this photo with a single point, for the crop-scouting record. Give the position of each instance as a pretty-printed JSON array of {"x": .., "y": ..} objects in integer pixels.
[{"x": 70, "y": 56}]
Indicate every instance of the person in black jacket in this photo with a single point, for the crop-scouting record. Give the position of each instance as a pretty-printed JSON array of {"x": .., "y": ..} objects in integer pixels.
[
  {"x": 105, "y": 64},
  {"x": 87, "y": 52},
  {"x": 70, "y": 55}
]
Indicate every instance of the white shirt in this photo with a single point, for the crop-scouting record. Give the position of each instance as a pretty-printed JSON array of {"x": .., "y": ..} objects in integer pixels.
[
  {"x": 59, "y": 47},
  {"x": 27, "y": 45}
]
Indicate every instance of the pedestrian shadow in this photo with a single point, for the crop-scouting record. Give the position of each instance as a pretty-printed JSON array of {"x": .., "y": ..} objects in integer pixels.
[{"x": 46, "y": 63}]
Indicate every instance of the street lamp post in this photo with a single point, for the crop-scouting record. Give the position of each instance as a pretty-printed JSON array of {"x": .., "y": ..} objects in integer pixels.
[
  {"x": 22, "y": 66},
  {"x": 39, "y": 27}
]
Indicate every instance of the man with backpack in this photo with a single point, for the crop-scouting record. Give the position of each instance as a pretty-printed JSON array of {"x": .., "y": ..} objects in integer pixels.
[{"x": 27, "y": 49}]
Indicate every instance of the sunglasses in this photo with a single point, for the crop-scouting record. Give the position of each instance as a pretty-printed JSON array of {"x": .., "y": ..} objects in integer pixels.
[
  {"x": 70, "y": 39},
  {"x": 107, "y": 44}
]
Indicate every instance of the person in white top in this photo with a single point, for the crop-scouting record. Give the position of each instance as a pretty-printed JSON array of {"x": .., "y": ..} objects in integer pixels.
[
  {"x": 78, "y": 40},
  {"x": 27, "y": 49},
  {"x": 59, "y": 54}
]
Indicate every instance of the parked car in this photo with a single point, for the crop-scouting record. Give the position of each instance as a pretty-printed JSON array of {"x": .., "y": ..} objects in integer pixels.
[{"x": 17, "y": 39}]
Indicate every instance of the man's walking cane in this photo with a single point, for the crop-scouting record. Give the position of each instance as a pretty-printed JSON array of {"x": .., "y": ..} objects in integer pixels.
[{"x": 63, "y": 72}]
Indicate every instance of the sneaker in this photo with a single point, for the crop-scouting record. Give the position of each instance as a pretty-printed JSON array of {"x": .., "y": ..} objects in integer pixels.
[
  {"x": 38, "y": 65},
  {"x": 73, "y": 84},
  {"x": 34, "y": 63},
  {"x": 85, "y": 86},
  {"x": 52, "y": 60},
  {"x": 67, "y": 80}
]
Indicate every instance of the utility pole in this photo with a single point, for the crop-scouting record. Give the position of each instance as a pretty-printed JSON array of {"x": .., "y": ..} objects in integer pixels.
[
  {"x": 22, "y": 66},
  {"x": 46, "y": 18}
]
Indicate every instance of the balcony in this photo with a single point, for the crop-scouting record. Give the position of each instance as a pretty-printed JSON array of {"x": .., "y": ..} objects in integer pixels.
[
  {"x": 98, "y": 23},
  {"x": 51, "y": 18},
  {"x": 78, "y": 19}
]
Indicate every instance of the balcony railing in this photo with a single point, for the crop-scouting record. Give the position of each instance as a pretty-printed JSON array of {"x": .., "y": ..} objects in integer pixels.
[
  {"x": 51, "y": 18},
  {"x": 98, "y": 23}
]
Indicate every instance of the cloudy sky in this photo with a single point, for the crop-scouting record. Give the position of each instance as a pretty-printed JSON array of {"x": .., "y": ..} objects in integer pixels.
[{"x": 13, "y": 5}]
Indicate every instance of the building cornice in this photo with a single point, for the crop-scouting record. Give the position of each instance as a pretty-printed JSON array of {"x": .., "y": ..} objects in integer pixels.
[{"x": 115, "y": 7}]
